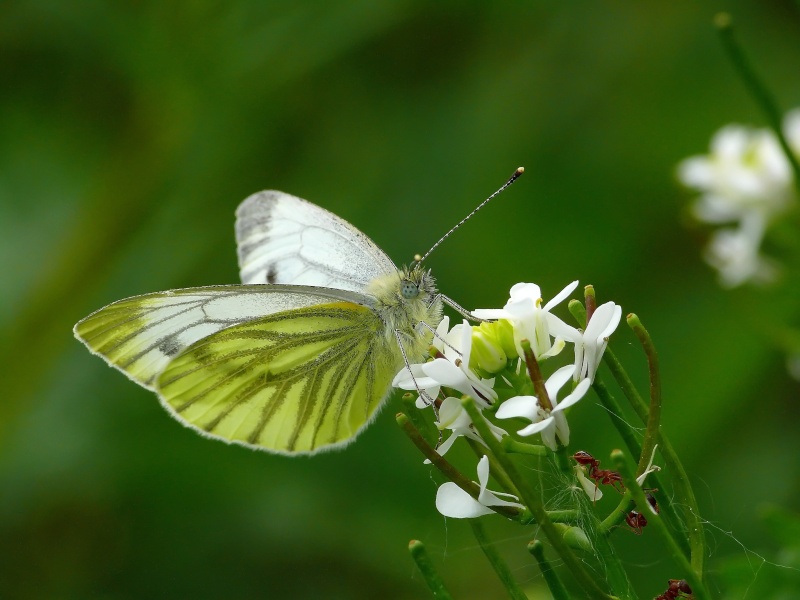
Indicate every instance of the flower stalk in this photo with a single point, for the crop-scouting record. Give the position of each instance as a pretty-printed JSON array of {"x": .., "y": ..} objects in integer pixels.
[
  {"x": 758, "y": 90},
  {"x": 428, "y": 571},
  {"x": 531, "y": 499},
  {"x": 655, "y": 521},
  {"x": 498, "y": 564},
  {"x": 557, "y": 589}
]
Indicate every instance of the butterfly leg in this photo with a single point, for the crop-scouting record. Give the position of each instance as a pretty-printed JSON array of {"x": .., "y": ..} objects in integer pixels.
[
  {"x": 458, "y": 308},
  {"x": 438, "y": 337},
  {"x": 422, "y": 393}
]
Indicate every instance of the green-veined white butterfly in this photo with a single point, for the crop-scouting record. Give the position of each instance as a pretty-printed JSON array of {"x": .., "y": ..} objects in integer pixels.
[{"x": 298, "y": 358}]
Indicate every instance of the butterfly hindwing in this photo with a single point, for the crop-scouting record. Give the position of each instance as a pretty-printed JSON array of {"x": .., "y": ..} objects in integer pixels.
[
  {"x": 285, "y": 239},
  {"x": 141, "y": 335},
  {"x": 293, "y": 382}
]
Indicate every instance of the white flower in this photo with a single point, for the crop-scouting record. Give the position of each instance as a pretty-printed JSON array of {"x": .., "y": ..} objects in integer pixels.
[
  {"x": 531, "y": 320},
  {"x": 452, "y": 371},
  {"x": 550, "y": 423},
  {"x": 735, "y": 253},
  {"x": 454, "y": 502},
  {"x": 746, "y": 170},
  {"x": 452, "y": 416},
  {"x": 590, "y": 344},
  {"x": 745, "y": 181}
]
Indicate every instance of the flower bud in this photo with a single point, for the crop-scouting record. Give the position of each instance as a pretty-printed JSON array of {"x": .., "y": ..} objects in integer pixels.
[
  {"x": 487, "y": 354},
  {"x": 575, "y": 537}
]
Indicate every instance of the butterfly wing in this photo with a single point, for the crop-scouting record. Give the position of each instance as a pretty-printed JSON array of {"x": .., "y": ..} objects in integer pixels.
[
  {"x": 141, "y": 335},
  {"x": 292, "y": 382},
  {"x": 284, "y": 239}
]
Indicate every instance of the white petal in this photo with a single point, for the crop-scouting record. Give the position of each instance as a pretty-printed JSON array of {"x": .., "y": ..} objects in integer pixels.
[
  {"x": 447, "y": 444},
  {"x": 449, "y": 411},
  {"x": 561, "y": 295},
  {"x": 535, "y": 428},
  {"x": 589, "y": 486},
  {"x": 490, "y": 313},
  {"x": 561, "y": 429},
  {"x": 441, "y": 333},
  {"x": 549, "y": 437},
  {"x": 601, "y": 319},
  {"x": 466, "y": 344},
  {"x": 444, "y": 372},
  {"x": 561, "y": 329},
  {"x": 578, "y": 393},
  {"x": 557, "y": 380},
  {"x": 521, "y": 291},
  {"x": 519, "y": 406},
  {"x": 489, "y": 498},
  {"x": 483, "y": 472},
  {"x": 452, "y": 501}
]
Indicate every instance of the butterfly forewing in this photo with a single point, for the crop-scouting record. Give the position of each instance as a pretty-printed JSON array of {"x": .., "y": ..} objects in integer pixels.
[
  {"x": 284, "y": 239},
  {"x": 141, "y": 335},
  {"x": 292, "y": 382}
]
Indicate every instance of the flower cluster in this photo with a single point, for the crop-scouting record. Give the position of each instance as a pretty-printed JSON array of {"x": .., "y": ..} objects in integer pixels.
[
  {"x": 476, "y": 361},
  {"x": 745, "y": 183}
]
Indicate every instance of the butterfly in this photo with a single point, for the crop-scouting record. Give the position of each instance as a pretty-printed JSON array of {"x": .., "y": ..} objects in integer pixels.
[{"x": 295, "y": 360}]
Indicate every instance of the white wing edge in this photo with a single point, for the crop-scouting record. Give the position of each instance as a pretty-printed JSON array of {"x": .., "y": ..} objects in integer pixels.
[{"x": 254, "y": 447}]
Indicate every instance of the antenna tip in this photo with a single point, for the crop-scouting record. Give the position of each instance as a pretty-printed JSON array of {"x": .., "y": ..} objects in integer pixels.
[
  {"x": 520, "y": 170},
  {"x": 417, "y": 257}
]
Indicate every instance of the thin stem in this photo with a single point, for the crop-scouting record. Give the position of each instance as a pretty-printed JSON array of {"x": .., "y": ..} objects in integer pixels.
[
  {"x": 449, "y": 470},
  {"x": 424, "y": 426},
  {"x": 557, "y": 589},
  {"x": 498, "y": 564},
  {"x": 758, "y": 90},
  {"x": 694, "y": 578},
  {"x": 614, "y": 411},
  {"x": 534, "y": 504},
  {"x": 654, "y": 413},
  {"x": 680, "y": 479},
  {"x": 512, "y": 446},
  {"x": 426, "y": 568},
  {"x": 535, "y": 373},
  {"x": 616, "y": 516}
]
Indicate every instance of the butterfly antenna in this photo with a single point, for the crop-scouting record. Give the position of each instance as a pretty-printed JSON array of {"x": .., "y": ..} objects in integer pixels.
[{"x": 511, "y": 180}]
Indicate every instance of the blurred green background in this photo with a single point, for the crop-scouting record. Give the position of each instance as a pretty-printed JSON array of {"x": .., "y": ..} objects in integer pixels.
[{"x": 131, "y": 131}]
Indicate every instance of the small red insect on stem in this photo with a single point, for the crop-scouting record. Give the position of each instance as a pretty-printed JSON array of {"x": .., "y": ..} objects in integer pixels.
[
  {"x": 678, "y": 588},
  {"x": 600, "y": 476}
]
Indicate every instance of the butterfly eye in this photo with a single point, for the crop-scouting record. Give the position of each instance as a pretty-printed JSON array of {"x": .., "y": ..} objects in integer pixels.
[{"x": 409, "y": 289}]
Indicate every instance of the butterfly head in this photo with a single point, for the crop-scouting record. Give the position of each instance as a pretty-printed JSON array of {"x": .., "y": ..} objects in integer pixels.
[{"x": 416, "y": 282}]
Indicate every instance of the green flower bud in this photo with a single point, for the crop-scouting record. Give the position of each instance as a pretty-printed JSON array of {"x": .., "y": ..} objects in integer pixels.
[
  {"x": 575, "y": 537},
  {"x": 504, "y": 333},
  {"x": 487, "y": 355}
]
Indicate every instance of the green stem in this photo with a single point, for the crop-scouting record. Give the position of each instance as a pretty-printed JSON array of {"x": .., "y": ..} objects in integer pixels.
[
  {"x": 557, "y": 589},
  {"x": 616, "y": 516},
  {"x": 498, "y": 564},
  {"x": 680, "y": 479},
  {"x": 758, "y": 90},
  {"x": 655, "y": 521},
  {"x": 429, "y": 574},
  {"x": 654, "y": 413},
  {"x": 449, "y": 470},
  {"x": 614, "y": 411},
  {"x": 512, "y": 446},
  {"x": 424, "y": 426},
  {"x": 534, "y": 504}
]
